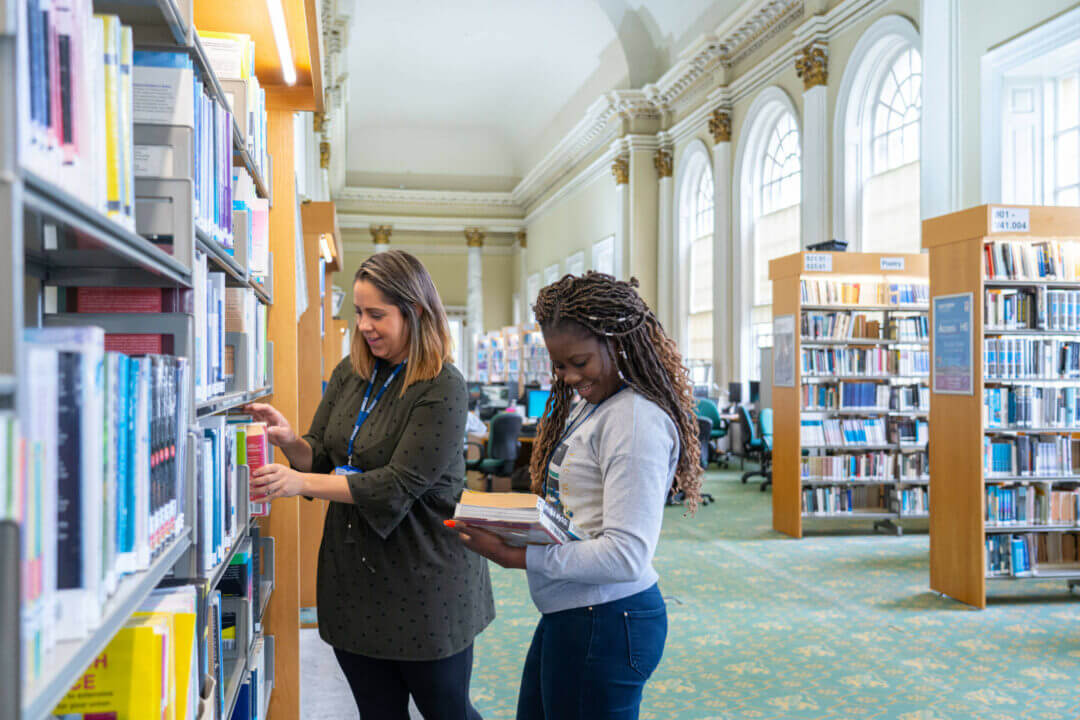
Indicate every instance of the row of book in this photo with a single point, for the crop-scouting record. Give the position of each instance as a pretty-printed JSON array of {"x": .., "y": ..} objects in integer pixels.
[
  {"x": 908, "y": 431},
  {"x": 862, "y": 467},
  {"x": 838, "y": 292},
  {"x": 1034, "y": 504},
  {"x": 1031, "y": 406},
  {"x": 875, "y": 361},
  {"x": 536, "y": 363},
  {"x": 835, "y": 500},
  {"x": 912, "y": 501},
  {"x": 1022, "y": 358},
  {"x": 843, "y": 325},
  {"x": 835, "y": 432},
  {"x": 77, "y": 103},
  {"x": 870, "y": 396},
  {"x": 913, "y": 466},
  {"x": 1031, "y": 554},
  {"x": 1031, "y": 456},
  {"x": 246, "y": 316},
  {"x": 1026, "y": 260},
  {"x": 103, "y": 485},
  {"x": 911, "y": 329},
  {"x": 1037, "y": 308}
]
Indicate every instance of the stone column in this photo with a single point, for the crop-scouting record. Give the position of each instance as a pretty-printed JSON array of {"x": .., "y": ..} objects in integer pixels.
[
  {"x": 380, "y": 236},
  {"x": 811, "y": 64},
  {"x": 939, "y": 131},
  {"x": 523, "y": 279},
  {"x": 641, "y": 262},
  {"x": 474, "y": 300},
  {"x": 723, "y": 251},
  {"x": 620, "y": 169},
  {"x": 667, "y": 298}
]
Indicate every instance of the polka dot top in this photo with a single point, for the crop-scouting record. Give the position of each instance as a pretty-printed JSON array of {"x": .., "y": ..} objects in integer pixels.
[{"x": 393, "y": 583}]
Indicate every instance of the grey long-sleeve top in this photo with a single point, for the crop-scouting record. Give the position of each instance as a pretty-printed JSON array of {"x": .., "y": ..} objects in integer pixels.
[
  {"x": 612, "y": 475},
  {"x": 393, "y": 583}
]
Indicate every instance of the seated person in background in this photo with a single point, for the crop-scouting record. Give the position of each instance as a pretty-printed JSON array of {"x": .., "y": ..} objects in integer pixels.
[{"x": 473, "y": 424}]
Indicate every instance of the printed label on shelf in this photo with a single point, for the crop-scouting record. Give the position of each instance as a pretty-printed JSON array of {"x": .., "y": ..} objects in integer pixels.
[
  {"x": 892, "y": 263},
  {"x": 1007, "y": 219},
  {"x": 817, "y": 262},
  {"x": 153, "y": 161}
]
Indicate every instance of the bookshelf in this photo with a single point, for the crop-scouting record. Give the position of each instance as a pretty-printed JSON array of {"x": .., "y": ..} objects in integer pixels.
[
  {"x": 963, "y": 542},
  {"x": 847, "y": 418},
  {"x": 57, "y": 238}
]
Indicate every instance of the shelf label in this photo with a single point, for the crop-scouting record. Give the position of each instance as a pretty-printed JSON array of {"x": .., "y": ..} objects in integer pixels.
[
  {"x": 892, "y": 263},
  {"x": 817, "y": 262},
  {"x": 1011, "y": 220}
]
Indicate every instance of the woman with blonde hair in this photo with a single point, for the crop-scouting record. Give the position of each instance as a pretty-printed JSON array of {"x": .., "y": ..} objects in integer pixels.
[{"x": 399, "y": 599}]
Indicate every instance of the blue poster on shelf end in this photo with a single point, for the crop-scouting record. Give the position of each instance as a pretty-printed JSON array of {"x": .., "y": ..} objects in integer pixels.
[{"x": 953, "y": 356}]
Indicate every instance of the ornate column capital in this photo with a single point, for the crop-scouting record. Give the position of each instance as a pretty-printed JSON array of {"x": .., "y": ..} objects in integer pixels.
[
  {"x": 522, "y": 239},
  {"x": 720, "y": 126},
  {"x": 664, "y": 163},
  {"x": 474, "y": 237},
  {"x": 620, "y": 168},
  {"x": 324, "y": 155},
  {"x": 318, "y": 121},
  {"x": 380, "y": 234},
  {"x": 812, "y": 65}
]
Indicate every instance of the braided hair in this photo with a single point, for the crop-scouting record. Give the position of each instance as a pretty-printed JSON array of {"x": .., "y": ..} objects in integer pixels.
[{"x": 646, "y": 357}]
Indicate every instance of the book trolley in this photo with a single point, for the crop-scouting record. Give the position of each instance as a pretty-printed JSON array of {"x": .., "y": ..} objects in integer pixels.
[
  {"x": 63, "y": 249},
  {"x": 1004, "y": 288},
  {"x": 850, "y": 370}
]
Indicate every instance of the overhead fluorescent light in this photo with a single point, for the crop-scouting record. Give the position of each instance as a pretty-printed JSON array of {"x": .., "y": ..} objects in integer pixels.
[
  {"x": 281, "y": 38},
  {"x": 325, "y": 241}
]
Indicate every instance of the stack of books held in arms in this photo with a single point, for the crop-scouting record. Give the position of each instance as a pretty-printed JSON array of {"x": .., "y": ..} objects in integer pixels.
[{"x": 519, "y": 518}]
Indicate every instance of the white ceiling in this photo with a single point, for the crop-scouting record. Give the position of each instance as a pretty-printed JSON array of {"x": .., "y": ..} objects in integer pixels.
[{"x": 449, "y": 95}]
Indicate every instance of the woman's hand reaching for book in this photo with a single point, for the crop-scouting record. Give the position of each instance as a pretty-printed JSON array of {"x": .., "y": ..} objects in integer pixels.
[
  {"x": 489, "y": 545},
  {"x": 278, "y": 429},
  {"x": 275, "y": 481}
]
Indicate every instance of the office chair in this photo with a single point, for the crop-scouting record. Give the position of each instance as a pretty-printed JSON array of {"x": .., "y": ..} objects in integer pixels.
[
  {"x": 704, "y": 434},
  {"x": 755, "y": 446},
  {"x": 706, "y": 408},
  {"x": 502, "y": 449}
]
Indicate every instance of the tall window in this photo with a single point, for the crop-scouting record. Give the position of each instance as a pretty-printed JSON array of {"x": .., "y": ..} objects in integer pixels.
[
  {"x": 776, "y": 227},
  {"x": 575, "y": 264},
  {"x": 603, "y": 255},
  {"x": 696, "y": 255},
  {"x": 890, "y": 195}
]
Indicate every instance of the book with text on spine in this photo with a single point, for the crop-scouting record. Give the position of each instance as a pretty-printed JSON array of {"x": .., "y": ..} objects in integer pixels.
[{"x": 518, "y": 518}]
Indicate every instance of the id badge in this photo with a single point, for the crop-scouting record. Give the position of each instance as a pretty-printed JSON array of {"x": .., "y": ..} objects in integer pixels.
[{"x": 347, "y": 470}]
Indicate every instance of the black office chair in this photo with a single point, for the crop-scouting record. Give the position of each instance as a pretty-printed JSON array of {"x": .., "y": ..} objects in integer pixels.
[
  {"x": 704, "y": 436},
  {"x": 502, "y": 448},
  {"x": 756, "y": 447}
]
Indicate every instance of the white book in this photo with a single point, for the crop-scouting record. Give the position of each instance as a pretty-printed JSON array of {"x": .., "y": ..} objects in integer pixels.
[{"x": 142, "y": 463}]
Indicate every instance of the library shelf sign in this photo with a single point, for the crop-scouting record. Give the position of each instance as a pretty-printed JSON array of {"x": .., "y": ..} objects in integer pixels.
[
  {"x": 784, "y": 351},
  {"x": 952, "y": 344}
]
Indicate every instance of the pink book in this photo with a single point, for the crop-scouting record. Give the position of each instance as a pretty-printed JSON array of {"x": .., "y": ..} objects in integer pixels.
[{"x": 258, "y": 454}]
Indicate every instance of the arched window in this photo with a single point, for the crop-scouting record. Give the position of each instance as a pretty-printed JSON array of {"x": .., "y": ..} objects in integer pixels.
[
  {"x": 695, "y": 301},
  {"x": 876, "y": 199},
  {"x": 768, "y": 196}
]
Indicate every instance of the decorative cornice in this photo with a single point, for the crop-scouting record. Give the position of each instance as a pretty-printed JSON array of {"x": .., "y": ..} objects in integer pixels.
[
  {"x": 441, "y": 198},
  {"x": 474, "y": 237},
  {"x": 404, "y": 223},
  {"x": 635, "y": 104},
  {"x": 664, "y": 163},
  {"x": 720, "y": 126},
  {"x": 364, "y": 248},
  {"x": 522, "y": 239},
  {"x": 812, "y": 65},
  {"x": 380, "y": 234},
  {"x": 772, "y": 18},
  {"x": 620, "y": 168}
]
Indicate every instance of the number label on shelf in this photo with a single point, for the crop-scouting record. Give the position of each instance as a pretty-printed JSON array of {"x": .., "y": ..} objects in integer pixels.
[
  {"x": 817, "y": 262},
  {"x": 892, "y": 263},
  {"x": 1006, "y": 219}
]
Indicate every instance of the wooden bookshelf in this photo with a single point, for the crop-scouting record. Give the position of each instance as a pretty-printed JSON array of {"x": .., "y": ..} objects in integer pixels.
[
  {"x": 787, "y": 275},
  {"x": 958, "y": 481}
]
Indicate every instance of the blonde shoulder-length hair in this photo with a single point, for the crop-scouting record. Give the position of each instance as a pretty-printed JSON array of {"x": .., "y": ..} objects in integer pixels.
[{"x": 405, "y": 283}]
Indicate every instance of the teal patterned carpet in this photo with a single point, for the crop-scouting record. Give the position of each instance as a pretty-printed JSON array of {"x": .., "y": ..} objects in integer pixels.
[{"x": 830, "y": 626}]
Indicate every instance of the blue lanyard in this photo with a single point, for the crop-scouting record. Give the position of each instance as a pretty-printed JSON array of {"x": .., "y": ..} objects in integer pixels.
[
  {"x": 577, "y": 423},
  {"x": 365, "y": 408}
]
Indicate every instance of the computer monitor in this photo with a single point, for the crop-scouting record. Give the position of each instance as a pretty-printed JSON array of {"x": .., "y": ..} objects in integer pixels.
[
  {"x": 495, "y": 396},
  {"x": 755, "y": 391},
  {"x": 536, "y": 404},
  {"x": 734, "y": 393}
]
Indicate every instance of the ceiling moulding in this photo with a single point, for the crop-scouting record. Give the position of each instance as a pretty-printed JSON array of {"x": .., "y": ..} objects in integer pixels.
[
  {"x": 431, "y": 248},
  {"x": 420, "y": 223},
  {"x": 432, "y": 198}
]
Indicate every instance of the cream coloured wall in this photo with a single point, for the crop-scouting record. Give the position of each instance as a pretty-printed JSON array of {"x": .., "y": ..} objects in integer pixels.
[{"x": 572, "y": 224}]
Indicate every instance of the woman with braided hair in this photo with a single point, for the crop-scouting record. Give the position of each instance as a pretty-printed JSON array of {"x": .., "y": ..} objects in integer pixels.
[{"x": 608, "y": 462}]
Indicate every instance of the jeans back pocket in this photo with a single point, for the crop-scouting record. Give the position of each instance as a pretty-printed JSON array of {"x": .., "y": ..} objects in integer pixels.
[{"x": 646, "y": 631}]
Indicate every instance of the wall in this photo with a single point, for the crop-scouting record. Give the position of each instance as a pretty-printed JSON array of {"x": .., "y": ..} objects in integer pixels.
[{"x": 571, "y": 224}]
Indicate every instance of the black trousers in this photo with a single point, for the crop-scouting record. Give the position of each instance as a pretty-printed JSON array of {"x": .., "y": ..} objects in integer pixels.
[{"x": 382, "y": 687}]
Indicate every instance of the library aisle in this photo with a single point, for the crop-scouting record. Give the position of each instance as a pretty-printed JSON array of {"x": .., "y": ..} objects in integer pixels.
[{"x": 831, "y": 626}]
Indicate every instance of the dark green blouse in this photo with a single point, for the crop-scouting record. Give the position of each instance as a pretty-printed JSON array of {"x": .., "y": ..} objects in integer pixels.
[{"x": 393, "y": 582}]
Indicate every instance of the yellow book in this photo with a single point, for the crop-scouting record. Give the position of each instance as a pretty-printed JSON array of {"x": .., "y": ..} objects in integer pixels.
[
  {"x": 231, "y": 54},
  {"x": 180, "y": 667},
  {"x": 110, "y": 43},
  {"x": 126, "y": 679}
]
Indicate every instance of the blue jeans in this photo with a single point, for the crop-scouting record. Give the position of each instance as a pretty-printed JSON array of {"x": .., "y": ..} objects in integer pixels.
[{"x": 591, "y": 663}]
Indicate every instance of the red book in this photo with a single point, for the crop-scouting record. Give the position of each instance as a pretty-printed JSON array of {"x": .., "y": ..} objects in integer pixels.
[
  {"x": 258, "y": 454},
  {"x": 139, "y": 343},
  {"x": 128, "y": 300}
]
